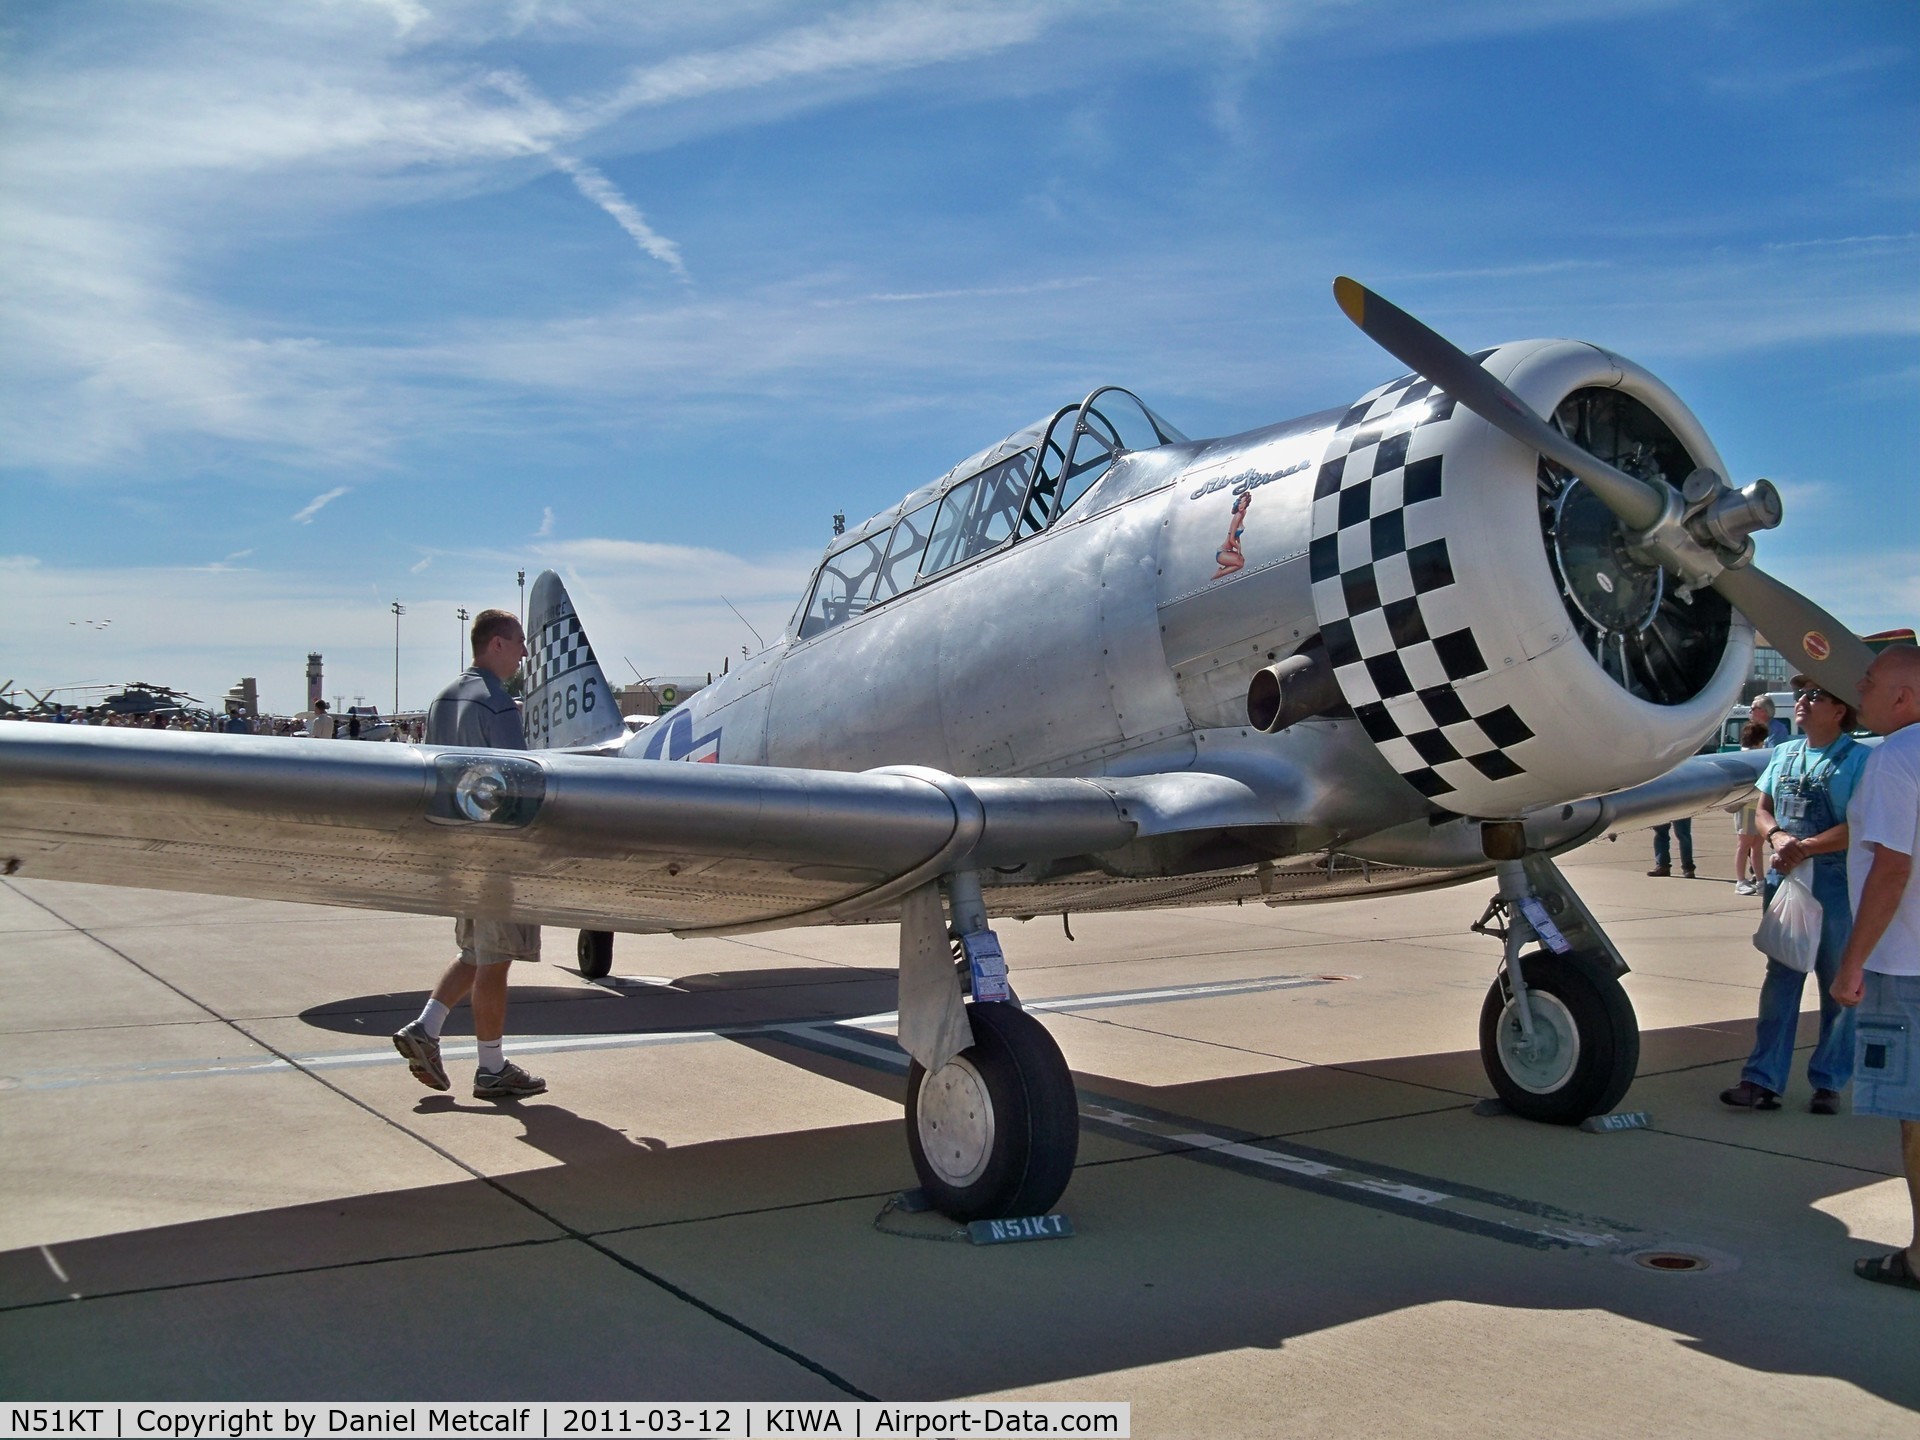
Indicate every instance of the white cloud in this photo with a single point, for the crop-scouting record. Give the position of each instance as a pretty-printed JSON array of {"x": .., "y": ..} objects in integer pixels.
[
  {"x": 546, "y": 523},
  {"x": 419, "y": 566},
  {"x": 304, "y": 515},
  {"x": 113, "y": 155},
  {"x": 879, "y": 41}
]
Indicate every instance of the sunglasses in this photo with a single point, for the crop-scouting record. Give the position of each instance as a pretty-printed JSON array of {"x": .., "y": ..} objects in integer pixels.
[{"x": 1812, "y": 695}]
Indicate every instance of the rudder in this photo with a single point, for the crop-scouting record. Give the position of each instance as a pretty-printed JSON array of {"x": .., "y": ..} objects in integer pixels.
[{"x": 568, "y": 701}]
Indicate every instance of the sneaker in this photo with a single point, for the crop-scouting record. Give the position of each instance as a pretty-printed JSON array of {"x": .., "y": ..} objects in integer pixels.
[
  {"x": 509, "y": 1082},
  {"x": 1749, "y": 1096},
  {"x": 1661, "y": 871},
  {"x": 1746, "y": 887},
  {"x": 422, "y": 1054},
  {"x": 1825, "y": 1102}
]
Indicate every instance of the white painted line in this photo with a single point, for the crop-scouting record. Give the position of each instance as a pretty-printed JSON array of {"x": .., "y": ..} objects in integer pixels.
[{"x": 556, "y": 1044}]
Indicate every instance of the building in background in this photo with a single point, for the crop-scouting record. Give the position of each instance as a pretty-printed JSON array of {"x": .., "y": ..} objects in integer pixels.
[
  {"x": 244, "y": 697},
  {"x": 1769, "y": 672},
  {"x": 314, "y": 692},
  {"x": 655, "y": 697}
]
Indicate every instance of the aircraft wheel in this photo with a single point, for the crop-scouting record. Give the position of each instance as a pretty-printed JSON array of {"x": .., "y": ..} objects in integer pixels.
[
  {"x": 1586, "y": 1043},
  {"x": 595, "y": 951},
  {"x": 995, "y": 1131}
]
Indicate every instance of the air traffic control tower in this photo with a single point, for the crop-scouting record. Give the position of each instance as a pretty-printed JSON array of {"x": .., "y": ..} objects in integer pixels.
[{"x": 313, "y": 678}]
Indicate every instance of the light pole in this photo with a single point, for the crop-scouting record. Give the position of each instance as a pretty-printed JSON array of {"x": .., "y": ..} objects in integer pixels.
[
  {"x": 398, "y": 610},
  {"x": 523, "y": 602},
  {"x": 459, "y": 651}
]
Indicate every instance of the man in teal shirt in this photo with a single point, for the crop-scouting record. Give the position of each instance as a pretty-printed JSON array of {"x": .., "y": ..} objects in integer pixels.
[{"x": 1802, "y": 818}]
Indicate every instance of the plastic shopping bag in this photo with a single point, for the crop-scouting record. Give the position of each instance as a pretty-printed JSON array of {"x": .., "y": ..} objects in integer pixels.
[{"x": 1790, "y": 931}]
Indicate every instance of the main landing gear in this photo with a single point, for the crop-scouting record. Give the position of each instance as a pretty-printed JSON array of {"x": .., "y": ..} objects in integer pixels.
[
  {"x": 995, "y": 1130},
  {"x": 595, "y": 953},
  {"x": 1558, "y": 1035}
]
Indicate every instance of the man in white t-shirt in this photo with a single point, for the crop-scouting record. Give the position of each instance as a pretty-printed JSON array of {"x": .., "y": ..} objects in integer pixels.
[{"x": 1880, "y": 968}]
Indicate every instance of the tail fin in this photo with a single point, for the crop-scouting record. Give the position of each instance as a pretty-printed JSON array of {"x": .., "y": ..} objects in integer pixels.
[{"x": 568, "y": 701}]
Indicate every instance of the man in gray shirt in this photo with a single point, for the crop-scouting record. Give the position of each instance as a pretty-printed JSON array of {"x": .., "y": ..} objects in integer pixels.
[{"x": 476, "y": 711}]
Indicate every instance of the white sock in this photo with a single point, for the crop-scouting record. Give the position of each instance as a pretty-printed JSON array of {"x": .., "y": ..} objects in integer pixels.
[
  {"x": 433, "y": 1017},
  {"x": 493, "y": 1055}
]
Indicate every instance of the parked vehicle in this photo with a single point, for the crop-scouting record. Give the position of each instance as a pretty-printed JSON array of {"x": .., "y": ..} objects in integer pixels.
[{"x": 372, "y": 727}]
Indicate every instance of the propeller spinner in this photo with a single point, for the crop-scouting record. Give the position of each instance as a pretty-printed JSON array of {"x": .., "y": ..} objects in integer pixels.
[{"x": 1701, "y": 531}]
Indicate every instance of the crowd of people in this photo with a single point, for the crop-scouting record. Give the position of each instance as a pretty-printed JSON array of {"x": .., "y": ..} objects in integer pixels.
[{"x": 319, "y": 725}]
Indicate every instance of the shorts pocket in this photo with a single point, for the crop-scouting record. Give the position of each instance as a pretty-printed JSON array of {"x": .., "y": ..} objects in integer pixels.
[{"x": 1881, "y": 1050}]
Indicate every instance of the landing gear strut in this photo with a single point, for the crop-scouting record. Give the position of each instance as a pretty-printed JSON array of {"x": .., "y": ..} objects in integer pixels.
[
  {"x": 993, "y": 1131},
  {"x": 1558, "y": 1035}
]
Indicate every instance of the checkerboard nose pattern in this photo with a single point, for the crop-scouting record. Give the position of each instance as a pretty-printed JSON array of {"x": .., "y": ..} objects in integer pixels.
[{"x": 1397, "y": 621}]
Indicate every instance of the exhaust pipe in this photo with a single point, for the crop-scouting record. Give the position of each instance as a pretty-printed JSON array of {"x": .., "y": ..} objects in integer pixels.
[{"x": 1299, "y": 686}]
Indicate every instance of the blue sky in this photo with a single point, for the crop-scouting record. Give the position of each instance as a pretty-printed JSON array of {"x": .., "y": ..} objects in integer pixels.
[{"x": 307, "y": 307}]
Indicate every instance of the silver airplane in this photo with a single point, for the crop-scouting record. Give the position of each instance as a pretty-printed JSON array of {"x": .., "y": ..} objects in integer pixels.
[{"x": 1482, "y": 615}]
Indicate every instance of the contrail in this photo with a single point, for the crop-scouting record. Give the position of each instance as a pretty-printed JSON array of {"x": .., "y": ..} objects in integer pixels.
[
  {"x": 314, "y": 506},
  {"x": 600, "y": 190}
]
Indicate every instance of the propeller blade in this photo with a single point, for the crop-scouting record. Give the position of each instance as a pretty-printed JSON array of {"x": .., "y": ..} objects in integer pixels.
[
  {"x": 1422, "y": 350},
  {"x": 1810, "y": 639},
  {"x": 1807, "y": 635}
]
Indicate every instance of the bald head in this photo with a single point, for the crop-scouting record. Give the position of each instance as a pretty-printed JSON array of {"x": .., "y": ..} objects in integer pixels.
[{"x": 1890, "y": 690}]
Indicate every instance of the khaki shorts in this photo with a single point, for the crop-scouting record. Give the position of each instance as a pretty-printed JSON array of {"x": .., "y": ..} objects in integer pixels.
[{"x": 495, "y": 942}]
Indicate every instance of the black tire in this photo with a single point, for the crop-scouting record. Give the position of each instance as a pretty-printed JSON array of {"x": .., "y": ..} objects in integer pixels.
[
  {"x": 1566, "y": 1085},
  {"x": 1013, "y": 1082},
  {"x": 595, "y": 951}
]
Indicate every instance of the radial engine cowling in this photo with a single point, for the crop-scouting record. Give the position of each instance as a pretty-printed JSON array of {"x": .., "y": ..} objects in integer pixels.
[{"x": 1485, "y": 614}]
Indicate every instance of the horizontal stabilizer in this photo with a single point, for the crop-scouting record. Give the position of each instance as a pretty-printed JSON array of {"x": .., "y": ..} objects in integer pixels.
[{"x": 568, "y": 701}]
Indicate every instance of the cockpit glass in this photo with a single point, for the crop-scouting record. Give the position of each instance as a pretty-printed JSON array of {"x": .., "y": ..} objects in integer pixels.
[
  {"x": 845, "y": 586},
  {"x": 1110, "y": 424},
  {"x": 1014, "y": 498},
  {"x": 978, "y": 514},
  {"x": 903, "y": 553}
]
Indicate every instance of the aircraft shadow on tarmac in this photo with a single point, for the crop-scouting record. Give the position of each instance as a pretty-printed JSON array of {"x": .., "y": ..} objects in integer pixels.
[
  {"x": 1173, "y": 1260},
  {"x": 627, "y": 1006}
]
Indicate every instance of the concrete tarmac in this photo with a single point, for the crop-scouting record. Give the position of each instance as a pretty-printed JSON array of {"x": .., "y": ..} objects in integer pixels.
[{"x": 217, "y": 1181}]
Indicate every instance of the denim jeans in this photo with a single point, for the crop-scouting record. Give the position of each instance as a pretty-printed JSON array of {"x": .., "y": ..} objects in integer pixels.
[
  {"x": 1663, "y": 848},
  {"x": 1831, "y": 1065}
]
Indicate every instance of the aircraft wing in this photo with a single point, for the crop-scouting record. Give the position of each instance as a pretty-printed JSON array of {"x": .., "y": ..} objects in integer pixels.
[
  {"x": 561, "y": 839},
  {"x": 591, "y": 842}
]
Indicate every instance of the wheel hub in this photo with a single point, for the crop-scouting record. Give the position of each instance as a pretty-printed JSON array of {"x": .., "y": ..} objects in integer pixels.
[
  {"x": 955, "y": 1120},
  {"x": 1544, "y": 1064}
]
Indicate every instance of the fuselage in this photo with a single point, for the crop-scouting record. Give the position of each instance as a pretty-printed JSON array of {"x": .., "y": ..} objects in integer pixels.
[
  {"x": 1020, "y": 617},
  {"x": 1120, "y": 638}
]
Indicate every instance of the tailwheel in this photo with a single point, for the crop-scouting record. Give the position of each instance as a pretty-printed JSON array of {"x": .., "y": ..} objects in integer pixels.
[
  {"x": 595, "y": 952},
  {"x": 1585, "y": 1046},
  {"x": 995, "y": 1131}
]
